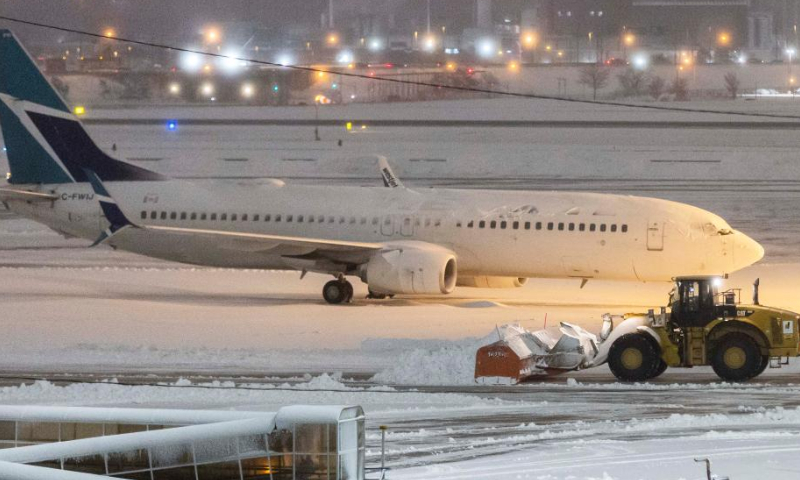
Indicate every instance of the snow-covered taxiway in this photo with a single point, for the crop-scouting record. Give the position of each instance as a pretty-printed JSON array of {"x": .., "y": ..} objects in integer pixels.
[
  {"x": 263, "y": 339},
  {"x": 259, "y": 340}
]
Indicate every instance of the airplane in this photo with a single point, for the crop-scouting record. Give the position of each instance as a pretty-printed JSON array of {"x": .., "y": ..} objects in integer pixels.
[{"x": 396, "y": 239}]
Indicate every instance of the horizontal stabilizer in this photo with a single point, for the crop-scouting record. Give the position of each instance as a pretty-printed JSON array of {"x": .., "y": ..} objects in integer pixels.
[
  {"x": 116, "y": 219},
  {"x": 26, "y": 195}
]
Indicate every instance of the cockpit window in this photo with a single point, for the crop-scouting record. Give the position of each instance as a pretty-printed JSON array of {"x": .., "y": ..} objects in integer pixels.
[{"x": 711, "y": 230}]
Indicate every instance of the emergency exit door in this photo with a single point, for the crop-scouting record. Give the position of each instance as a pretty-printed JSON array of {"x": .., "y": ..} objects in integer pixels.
[{"x": 655, "y": 236}]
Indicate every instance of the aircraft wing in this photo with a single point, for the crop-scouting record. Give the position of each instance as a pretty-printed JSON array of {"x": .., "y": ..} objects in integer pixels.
[
  {"x": 25, "y": 195},
  {"x": 290, "y": 247},
  {"x": 272, "y": 241}
]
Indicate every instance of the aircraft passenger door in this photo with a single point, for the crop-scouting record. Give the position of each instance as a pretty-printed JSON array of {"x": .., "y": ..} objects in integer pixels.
[
  {"x": 655, "y": 236},
  {"x": 387, "y": 226}
]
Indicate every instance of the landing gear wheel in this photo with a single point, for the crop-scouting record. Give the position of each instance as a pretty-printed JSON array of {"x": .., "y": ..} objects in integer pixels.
[
  {"x": 337, "y": 291},
  {"x": 377, "y": 296},
  {"x": 633, "y": 358},
  {"x": 348, "y": 292},
  {"x": 737, "y": 358},
  {"x": 662, "y": 367}
]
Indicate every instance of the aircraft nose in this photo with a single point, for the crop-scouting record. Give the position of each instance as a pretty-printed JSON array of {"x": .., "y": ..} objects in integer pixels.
[{"x": 748, "y": 251}]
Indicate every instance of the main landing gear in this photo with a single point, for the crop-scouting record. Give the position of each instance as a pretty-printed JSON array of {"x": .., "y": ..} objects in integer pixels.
[{"x": 338, "y": 291}]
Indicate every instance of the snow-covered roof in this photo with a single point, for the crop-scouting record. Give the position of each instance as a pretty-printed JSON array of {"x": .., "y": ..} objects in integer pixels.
[
  {"x": 320, "y": 414},
  {"x": 203, "y": 425},
  {"x": 136, "y": 416},
  {"x": 16, "y": 471},
  {"x": 136, "y": 441}
]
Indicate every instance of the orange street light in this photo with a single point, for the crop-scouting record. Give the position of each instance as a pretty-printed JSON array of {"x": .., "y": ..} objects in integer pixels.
[
  {"x": 630, "y": 39},
  {"x": 529, "y": 40}
]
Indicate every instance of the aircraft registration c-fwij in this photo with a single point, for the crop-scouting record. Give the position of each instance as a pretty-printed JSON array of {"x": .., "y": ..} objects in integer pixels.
[{"x": 397, "y": 240}]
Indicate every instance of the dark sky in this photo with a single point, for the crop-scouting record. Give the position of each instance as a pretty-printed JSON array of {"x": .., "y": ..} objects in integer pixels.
[{"x": 156, "y": 19}]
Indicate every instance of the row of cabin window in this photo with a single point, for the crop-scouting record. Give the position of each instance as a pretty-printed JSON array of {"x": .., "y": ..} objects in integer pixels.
[
  {"x": 561, "y": 226},
  {"x": 279, "y": 218}
]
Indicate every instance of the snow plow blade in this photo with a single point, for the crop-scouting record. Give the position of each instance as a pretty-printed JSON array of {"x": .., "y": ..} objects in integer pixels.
[{"x": 520, "y": 355}]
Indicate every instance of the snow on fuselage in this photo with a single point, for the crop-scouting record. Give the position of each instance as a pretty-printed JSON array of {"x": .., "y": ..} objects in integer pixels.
[{"x": 496, "y": 233}]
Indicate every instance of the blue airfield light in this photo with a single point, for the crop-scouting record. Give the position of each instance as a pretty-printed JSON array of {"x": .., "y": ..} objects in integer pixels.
[
  {"x": 334, "y": 86},
  {"x": 275, "y": 88},
  {"x": 172, "y": 125}
]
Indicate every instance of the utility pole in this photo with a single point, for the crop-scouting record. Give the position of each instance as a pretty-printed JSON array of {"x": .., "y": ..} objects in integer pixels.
[
  {"x": 429, "y": 17},
  {"x": 330, "y": 14}
]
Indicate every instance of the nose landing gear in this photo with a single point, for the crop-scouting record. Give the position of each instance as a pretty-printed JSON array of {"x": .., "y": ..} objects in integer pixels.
[{"x": 338, "y": 291}]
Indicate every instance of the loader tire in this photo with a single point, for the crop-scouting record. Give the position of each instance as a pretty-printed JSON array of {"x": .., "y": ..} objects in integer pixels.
[
  {"x": 662, "y": 367},
  {"x": 737, "y": 358},
  {"x": 633, "y": 358}
]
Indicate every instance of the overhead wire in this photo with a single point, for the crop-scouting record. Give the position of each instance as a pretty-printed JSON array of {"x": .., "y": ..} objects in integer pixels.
[{"x": 344, "y": 73}]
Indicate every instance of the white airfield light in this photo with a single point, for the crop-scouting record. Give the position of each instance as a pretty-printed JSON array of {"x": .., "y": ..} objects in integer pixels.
[
  {"x": 285, "y": 59},
  {"x": 191, "y": 62},
  {"x": 207, "y": 89},
  {"x": 486, "y": 48},
  {"x": 230, "y": 63},
  {"x": 640, "y": 61},
  {"x": 248, "y": 90},
  {"x": 345, "y": 57}
]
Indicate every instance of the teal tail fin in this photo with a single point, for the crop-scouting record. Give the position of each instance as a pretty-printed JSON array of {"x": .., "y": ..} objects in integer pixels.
[{"x": 44, "y": 142}]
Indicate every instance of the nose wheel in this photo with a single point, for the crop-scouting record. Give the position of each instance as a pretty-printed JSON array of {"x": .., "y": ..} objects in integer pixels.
[{"x": 337, "y": 292}]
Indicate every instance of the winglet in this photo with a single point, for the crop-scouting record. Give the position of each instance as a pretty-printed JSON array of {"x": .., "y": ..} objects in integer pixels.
[
  {"x": 116, "y": 219},
  {"x": 389, "y": 178}
]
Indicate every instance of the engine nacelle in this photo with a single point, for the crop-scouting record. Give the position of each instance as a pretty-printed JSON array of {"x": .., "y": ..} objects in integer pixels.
[
  {"x": 491, "y": 282},
  {"x": 424, "y": 269}
]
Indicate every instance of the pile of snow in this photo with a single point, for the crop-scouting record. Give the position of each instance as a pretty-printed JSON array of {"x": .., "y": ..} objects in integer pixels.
[{"x": 452, "y": 363}]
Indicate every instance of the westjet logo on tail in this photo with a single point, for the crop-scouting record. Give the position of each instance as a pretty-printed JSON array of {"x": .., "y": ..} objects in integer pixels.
[{"x": 388, "y": 178}]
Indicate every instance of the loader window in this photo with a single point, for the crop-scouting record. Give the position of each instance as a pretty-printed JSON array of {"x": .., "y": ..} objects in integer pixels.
[
  {"x": 691, "y": 296},
  {"x": 696, "y": 296}
]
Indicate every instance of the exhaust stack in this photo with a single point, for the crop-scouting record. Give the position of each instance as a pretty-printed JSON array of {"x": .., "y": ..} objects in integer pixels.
[{"x": 755, "y": 291}]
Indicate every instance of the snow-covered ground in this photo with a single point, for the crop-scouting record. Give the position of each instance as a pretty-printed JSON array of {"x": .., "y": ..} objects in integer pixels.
[
  {"x": 96, "y": 313},
  {"x": 91, "y": 314}
]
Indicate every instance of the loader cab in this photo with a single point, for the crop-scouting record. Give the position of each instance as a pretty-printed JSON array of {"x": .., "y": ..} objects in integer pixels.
[{"x": 693, "y": 301}]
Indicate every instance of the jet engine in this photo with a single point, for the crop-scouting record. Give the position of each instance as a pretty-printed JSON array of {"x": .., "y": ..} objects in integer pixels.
[
  {"x": 416, "y": 269},
  {"x": 491, "y": 282}
]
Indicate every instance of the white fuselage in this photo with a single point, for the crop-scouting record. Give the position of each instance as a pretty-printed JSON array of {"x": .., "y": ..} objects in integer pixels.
[{"x": 492, "y": 233}]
